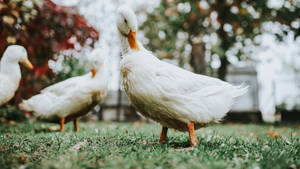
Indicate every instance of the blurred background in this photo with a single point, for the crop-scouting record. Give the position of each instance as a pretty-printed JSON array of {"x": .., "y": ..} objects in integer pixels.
[{"x": 256, "y": 42}]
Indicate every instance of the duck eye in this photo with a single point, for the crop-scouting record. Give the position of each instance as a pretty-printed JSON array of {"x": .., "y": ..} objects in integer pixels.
[{"x": 125, "y": 21}]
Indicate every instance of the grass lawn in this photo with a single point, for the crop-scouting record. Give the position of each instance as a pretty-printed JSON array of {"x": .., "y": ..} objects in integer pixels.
[{"x": 134, "y": 145}]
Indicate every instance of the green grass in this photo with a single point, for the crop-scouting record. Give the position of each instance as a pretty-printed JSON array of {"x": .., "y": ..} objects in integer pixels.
[{"x": 134, "y": 145}]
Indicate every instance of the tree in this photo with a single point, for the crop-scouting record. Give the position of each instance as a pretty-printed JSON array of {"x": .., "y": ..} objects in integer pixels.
[
  {"x": 184, "y": 28},
  {"x": 44, "y": 29}
]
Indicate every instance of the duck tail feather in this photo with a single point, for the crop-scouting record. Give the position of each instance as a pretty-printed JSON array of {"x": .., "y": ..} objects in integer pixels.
[
  {"x": 241, "y": 90},
  {"x": 24, "y": 105}
]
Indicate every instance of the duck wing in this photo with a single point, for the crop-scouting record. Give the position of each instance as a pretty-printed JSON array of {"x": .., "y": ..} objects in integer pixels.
[
  {"x": 7, "y": 89},
  {"x": 177, "y": 80},
  {"x": 63, "y": 87},
  {"x": 195, "y": 97}
]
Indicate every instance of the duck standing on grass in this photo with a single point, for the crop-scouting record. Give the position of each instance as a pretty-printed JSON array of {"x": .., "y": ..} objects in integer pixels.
[
  {"x": 68, "y": 100},
  {"x": 167, "y": 94},
  {"x": 10, "y": 72}
]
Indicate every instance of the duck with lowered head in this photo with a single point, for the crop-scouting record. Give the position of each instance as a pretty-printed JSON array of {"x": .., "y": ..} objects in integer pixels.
[
  {"x": 167, "y": 94},
  {"x": 72, "y": 98}
]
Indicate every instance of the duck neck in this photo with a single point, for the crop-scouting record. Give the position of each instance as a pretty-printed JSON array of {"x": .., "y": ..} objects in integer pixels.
[
  {"x": 11, "y": 69},
  {"x": 126, "y": 46},
  {"x": 102, "y": 72}
]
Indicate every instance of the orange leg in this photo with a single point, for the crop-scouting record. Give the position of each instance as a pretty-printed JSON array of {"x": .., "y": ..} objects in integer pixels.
[
  {"x": 62, "y": 122},
  {"x": 192, "y": 134},
  {"x": 75, "y": 122},
  {"x": 163, "y": 135}
]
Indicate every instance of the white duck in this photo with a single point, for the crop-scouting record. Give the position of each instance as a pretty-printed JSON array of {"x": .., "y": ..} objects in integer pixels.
[
  {"x": 71, "y": 98},
  {"x": 167, "y": 94},
  {"x": 10, "y": 72}
]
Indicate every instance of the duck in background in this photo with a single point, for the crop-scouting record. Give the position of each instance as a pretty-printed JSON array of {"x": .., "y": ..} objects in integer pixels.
[
  {"x": 68, "y": 100},
  {"x": 165, "y": 93},
  {"x": 10, "y": 72}
]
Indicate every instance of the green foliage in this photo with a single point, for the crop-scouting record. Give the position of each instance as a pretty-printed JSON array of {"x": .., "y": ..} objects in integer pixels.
[
  {"x": 178, "y": 25},
  {"x": 70, "y": 68},
  {"x": 123, "y": 145}
]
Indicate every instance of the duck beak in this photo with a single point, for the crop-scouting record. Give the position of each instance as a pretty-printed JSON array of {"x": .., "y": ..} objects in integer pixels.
[
  {"x": 27, "y": 64},
  {"x": 132, "y": 40},
  {"x": 94, "y": 71}
]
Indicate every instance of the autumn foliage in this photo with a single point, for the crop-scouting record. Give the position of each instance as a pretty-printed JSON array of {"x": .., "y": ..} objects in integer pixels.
[{"x": 44, "y": 29}]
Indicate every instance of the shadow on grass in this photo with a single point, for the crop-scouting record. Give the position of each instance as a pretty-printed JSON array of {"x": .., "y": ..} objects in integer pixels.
[
  {"x": 45, "y": 130},
  {"x": 22, "y": 128},
  {"x": 177, "y": 144},
  {"x": 150, "y": 142}
]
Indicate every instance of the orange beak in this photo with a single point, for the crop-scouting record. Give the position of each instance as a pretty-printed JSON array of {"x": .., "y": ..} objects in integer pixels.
[
  {"x": 94, "y": 71},
  {"x": 132, "y": 40},
  {"x": 27, "y": 64}
]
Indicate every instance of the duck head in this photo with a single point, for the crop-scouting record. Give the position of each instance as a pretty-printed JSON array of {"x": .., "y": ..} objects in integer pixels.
[
  {"x": 17, "y": 54},
  {"x": 127, "y": 25},
  {"x": 97, "y": 61}
]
